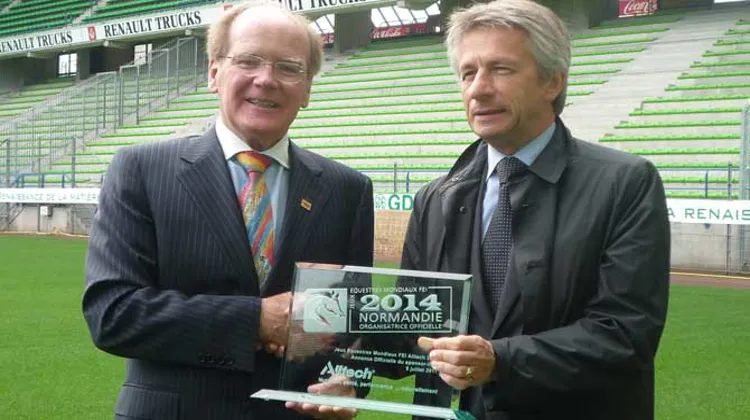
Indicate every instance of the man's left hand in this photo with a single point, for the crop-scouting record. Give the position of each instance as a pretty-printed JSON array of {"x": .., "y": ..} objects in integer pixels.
[
  {"x": 336, "y": 385},
  {"x": 461, "y": 361}
]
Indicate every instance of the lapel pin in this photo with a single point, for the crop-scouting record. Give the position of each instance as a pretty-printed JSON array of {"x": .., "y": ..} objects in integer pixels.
[{"x": 305, "y": 204}]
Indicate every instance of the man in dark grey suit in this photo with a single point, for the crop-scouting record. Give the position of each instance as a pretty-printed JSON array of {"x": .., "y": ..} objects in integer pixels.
[
  {"x": 192, "y": 250},
  {"x": 568, "y": 241}
]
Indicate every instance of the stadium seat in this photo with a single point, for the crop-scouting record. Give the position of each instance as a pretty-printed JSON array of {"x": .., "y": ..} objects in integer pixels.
[
  {"x": 118, "y": 9},
  {"x": 36, "y": 15}
]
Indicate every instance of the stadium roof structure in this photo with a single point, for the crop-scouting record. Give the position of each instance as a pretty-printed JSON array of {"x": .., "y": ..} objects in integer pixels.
[{"x": 95, "y": 32}]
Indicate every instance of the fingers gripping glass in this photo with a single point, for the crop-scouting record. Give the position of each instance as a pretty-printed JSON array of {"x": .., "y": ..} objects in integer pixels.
[{"x": 286, "y": 71}]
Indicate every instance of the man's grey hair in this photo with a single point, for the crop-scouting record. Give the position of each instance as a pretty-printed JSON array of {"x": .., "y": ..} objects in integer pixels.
[
  {"x": 218, "y": 40},
  {"x": 548, "y": 38}
]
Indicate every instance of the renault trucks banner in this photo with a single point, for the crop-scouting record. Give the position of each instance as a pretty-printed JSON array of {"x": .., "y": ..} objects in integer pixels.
[
  {"x": 178, "y": 19},
  {"x": 315, "y": 6},
  {"x": 137, "y": 26},
  {"x": 42, "y": 40}
]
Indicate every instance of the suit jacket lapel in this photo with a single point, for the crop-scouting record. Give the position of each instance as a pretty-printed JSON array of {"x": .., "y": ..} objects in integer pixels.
[
  {"x": 459, "y": 198},
  {"x": 534, "y": 201},
  {"x": 207, "y": 181},
  {"x": 480, "y": 304},
  {"x": 304, "y": 184}
]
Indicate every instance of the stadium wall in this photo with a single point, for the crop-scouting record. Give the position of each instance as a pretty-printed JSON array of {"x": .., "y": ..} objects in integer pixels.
[
  {"x": 19, "y": 72},
  {"x": 390, "y": 230},
  {"x": 31, "y": 219},
  {"x": 711, "y": 248},
  {"x": 695, "y": 247},
  {"x": 352, "y": 30}
]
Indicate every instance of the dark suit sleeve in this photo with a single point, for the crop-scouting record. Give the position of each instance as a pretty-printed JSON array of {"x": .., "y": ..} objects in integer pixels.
[
  {"x": 618, "y": 335},
  {"x": 128, "y": 314},
  {"x": 362, "y": 238}
]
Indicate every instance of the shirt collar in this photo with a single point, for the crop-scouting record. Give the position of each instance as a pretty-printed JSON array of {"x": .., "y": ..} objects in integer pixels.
[
  {"x": 527, "y": 154},
  {"x": 231, "y": 144}
]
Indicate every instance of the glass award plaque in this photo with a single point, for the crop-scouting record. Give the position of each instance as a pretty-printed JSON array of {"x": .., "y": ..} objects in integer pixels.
[{"x": 353, "y": 335}]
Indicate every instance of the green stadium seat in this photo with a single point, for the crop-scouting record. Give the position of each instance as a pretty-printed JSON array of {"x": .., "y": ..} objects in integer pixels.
[{"x": 118, "y": 9}]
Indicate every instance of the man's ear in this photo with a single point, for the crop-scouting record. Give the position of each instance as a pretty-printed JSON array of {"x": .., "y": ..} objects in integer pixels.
[
  {"x": 213, "y": 70},
  {"x": 306, "y": 98},
  {"x": 555, "y": 85}
]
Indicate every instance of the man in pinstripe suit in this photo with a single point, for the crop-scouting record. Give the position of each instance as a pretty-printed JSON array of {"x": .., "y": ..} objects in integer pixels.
[{"x": 171, "y": 282}]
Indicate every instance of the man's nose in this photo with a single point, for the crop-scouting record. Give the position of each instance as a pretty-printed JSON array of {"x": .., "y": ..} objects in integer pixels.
[
  {"x": 481, "y": 86},
  {"x": 264, "y": 75}
]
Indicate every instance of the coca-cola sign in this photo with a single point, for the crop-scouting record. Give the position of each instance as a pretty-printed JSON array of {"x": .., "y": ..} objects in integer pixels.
[
  {"x": 397, "y": 31},
  {"x": 327, "y": 38},
  {"x": 392, "y": 32},
  {"x": 637, "y": 7},
  {"x": 385, "y": 33}
]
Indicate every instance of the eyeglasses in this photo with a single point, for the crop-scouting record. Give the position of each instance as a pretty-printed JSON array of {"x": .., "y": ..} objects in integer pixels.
[{"x": 285, "y": 71}]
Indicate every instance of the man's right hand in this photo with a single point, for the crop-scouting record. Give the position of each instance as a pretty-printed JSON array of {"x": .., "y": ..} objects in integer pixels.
[{"x": 274, "y": 320}]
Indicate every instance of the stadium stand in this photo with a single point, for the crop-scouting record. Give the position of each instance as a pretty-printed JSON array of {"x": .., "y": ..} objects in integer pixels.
[
  {"x": 393, "y": 111},
  {"x": 363, "y": 112},
  {"x": 693, "y": 132},
  {"x": 117, "y": 9},
  {"x": 14, "y": 104},
  {"x": 42, "y": 143},
  {"x": 394, "y": 106},
  {"x": 37, "y": 15}
]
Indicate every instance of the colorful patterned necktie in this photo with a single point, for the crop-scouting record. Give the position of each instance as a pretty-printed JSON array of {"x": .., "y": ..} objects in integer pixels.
[{"x": 257, "y": 212}]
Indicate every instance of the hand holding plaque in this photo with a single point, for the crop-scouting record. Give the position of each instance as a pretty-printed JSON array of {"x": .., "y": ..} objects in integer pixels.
[
  {"x": 352, "y": 340},
  {"x": 274, "y": 321},
  {"x": 336, "y": 385},
  {"x": 461, "y": 361}
]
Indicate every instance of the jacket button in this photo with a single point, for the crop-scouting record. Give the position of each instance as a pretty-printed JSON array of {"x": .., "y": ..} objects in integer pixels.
[
  {"x": 462, "y": 209},
  {"x": 202, "y": 358}
]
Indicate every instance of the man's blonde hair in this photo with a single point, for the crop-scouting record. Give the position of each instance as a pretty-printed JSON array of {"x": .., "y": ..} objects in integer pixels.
[
  {"x": 548, "y": 39},
  {"x": 218, "y": 33}
]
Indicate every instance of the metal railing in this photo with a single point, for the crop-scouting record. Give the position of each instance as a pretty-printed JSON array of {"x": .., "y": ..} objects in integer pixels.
[
  {"x": 728, "y": 188},
  {"x": 402, "y": 180},
  {"x": 745, "y": 154},
  {"x": 49, "y": 138},
  {"x": 7, "y": 94},
  {"x": 43, "y": 136},
  {"x": 5, "y": 177},
  {"x": 171, "y": 71}
]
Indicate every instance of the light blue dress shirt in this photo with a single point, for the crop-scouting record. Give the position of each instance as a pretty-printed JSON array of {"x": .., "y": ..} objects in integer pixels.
[
  {"x": 527, "y": 155},
  {"x": 276, "y": 176}
]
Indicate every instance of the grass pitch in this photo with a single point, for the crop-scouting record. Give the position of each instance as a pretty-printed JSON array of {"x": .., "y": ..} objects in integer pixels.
[{"x": 49, "y": 369}]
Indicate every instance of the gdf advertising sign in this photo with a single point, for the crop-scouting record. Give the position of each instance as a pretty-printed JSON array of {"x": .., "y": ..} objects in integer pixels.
[
  {"x": 695, "y": 211},
  {"x": 394, "y": 202}
]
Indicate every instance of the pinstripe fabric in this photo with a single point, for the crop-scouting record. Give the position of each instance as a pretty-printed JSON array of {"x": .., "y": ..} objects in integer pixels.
[{"x": 171, "y": 285}]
